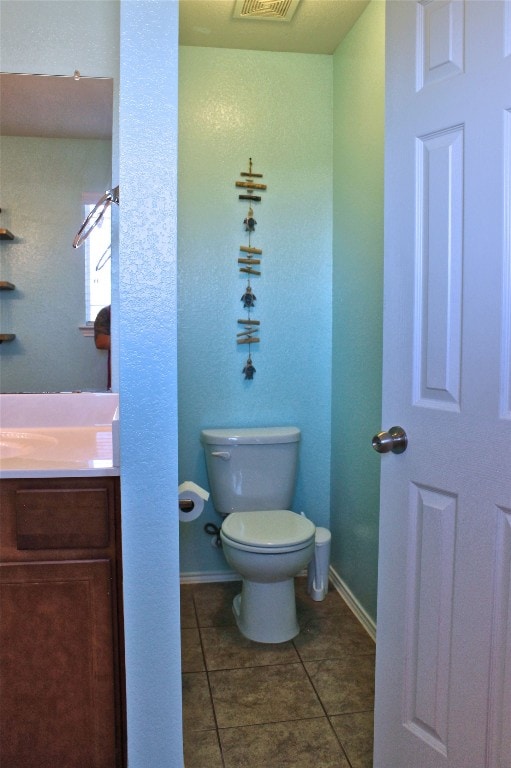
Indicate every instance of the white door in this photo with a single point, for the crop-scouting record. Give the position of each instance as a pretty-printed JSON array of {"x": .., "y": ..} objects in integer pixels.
[{"x": 443, "y": 672}]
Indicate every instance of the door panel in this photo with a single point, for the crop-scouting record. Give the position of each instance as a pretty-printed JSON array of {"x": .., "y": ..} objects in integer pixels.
[
  {"x": 431, "y": 555},
  {"x": 440, "y": 42},
  {"x": 439, "y": 171},
  {"x": 499, "y": 716},
  {"x": 505, "y": 372}
]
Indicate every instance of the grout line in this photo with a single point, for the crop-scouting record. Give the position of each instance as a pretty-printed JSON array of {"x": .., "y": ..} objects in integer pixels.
[
  {"x": 256, "y": 666},
  {"x": 272, "y": 722},
  {"x": 209, "y": 683},
  {"x": 341, "y": 745},
  {"x": 313, "y": 686},
  {"x": 354, "y": 712},
  {"x": 324, "y": 709},
  {"x": 337, "y": 738}
]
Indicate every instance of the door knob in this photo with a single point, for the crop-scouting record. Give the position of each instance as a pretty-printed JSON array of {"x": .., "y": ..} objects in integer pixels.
[{"x": 394, "y": 440}]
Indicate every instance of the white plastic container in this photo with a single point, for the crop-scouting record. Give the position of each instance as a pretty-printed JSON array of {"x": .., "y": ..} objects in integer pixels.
[{"x": 317, "y": 572}]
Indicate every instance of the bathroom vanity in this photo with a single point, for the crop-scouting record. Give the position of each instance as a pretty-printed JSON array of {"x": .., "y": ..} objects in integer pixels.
[{"x": 61, "y": 638}]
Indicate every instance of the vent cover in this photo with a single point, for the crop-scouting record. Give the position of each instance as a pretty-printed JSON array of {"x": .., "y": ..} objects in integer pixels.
[{"x": 271, "y": 10}]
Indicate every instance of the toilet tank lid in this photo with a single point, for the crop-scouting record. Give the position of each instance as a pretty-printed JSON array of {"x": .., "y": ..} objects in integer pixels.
[{"x": 250, "y": 435}]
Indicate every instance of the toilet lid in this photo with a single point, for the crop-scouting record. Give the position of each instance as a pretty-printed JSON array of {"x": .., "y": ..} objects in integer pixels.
[{"x": 268, "y": 528}]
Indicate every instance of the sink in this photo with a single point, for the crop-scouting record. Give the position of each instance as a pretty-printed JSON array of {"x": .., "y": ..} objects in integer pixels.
[{"x": 15, "y": 444}]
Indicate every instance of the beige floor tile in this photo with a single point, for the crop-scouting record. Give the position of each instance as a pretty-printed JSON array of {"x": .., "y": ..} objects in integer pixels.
[
  {"x": 262, "y": 695},
  {"x": 227, "y": 648},
  {"x": 188, "y": 618},
  {"x": 268, "y": 712},
  {"x": 297, "y": 744},
  {"x": 192, "y": 659},
  {"x": 344, "y": 685},
  {"x": 202, "y": 750},
  {"x": 213, "y": 603},
  {"x": 355, "y": 732},
  {"x": 331, "y": 635},
  {"x": 197, "y": 707}
]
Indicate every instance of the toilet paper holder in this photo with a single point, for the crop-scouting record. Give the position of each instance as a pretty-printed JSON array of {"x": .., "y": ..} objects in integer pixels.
[
  {"x": 186, "y": 505},
  {"x": 191, "y": 498}
]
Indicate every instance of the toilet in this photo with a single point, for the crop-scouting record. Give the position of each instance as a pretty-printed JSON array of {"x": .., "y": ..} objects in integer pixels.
[{"x": 252, "y": 474}]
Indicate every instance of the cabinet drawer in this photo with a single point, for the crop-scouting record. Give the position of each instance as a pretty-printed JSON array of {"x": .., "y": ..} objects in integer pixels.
[{"x": 55, "y": 519}]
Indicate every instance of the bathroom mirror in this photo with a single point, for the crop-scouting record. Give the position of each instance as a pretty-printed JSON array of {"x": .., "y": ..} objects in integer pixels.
[{"x": 56, "y": 150}]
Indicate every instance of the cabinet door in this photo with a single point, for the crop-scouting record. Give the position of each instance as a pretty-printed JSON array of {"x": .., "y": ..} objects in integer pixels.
[{"x": 56, "y": 665}]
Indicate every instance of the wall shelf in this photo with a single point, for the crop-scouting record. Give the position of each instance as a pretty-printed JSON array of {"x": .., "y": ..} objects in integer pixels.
[{"x": 5, "y": 285}]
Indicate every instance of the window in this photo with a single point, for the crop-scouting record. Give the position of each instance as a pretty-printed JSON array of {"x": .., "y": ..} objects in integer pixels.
[{"x": 97, "y": 266}]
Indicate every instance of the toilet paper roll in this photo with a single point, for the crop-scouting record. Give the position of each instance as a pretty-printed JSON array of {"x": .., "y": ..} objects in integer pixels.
[{"x": 191, "y": 501}]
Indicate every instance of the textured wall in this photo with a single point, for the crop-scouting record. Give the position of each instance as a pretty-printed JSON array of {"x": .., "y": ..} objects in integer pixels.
[
  {"x": 357, "y": 300},
  {"x": 276, "y": 108},
  {"x": 147, "y": 293},
  {"x": 41, "y": 190}
]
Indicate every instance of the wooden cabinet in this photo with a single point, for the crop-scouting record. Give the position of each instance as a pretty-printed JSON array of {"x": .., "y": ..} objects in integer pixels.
[{"x": 61, "y": 659}]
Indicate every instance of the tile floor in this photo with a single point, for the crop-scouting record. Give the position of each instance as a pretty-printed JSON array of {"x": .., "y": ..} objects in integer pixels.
[{"x": 307, "y": 703}]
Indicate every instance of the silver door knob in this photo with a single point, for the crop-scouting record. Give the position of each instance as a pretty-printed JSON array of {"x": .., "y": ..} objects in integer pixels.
[{"x": 394, "y": 440}]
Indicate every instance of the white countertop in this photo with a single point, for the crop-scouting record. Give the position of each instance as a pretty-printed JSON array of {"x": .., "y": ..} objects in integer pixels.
[
  {"x": 59, "y": 434},
  {"x": 56, "y": 452}
]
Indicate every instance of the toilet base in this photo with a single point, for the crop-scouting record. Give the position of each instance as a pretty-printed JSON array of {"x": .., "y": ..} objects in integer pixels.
[{"x": 266, "y": 612}]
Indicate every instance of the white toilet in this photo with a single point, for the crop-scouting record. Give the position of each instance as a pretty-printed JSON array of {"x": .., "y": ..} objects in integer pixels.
[{"x": 252, "y": 475}]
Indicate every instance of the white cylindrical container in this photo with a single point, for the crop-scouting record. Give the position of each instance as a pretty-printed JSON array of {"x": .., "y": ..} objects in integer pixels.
[{"x": 317, "y": 573}]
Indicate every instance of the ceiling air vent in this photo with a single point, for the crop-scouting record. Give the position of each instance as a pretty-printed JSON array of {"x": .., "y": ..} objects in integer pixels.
[{"x": 271, "y": 10}]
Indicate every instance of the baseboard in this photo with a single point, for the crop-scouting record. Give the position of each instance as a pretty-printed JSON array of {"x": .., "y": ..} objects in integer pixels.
[
  {"x": 208, "y": 576},
  {"x": 352, "y": 603}
]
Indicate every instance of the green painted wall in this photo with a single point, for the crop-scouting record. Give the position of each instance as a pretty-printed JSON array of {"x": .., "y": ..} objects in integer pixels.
[
  {"x": 276, "y": 108},
  {"x": 281, "y": 113},
  {"x": 357, "y": 302}
]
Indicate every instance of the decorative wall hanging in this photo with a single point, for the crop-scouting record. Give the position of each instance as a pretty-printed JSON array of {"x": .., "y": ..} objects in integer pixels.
[{"x": 248, "y": 262}]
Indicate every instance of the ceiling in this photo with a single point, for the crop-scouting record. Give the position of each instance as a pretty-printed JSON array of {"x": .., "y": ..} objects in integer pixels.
[
  {"x": 52, "y": 107},
  {"x": 317, "y": 26},
  {"x": 55, "y": 107}
]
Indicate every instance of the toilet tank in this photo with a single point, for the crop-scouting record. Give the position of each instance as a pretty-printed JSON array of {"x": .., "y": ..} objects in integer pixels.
[{"x": 252, "y": 468}]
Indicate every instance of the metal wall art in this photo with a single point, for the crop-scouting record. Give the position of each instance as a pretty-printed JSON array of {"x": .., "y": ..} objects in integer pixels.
[{"x": 248, "y": 261}]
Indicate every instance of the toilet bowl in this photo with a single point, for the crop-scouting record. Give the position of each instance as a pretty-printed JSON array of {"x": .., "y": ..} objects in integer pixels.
[
  {"x": 252, "y": 473},
  {"x": 268, "y": 548}
]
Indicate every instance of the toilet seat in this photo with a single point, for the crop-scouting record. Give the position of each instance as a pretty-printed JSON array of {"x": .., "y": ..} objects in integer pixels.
[{"x": 267, "y": 531}]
